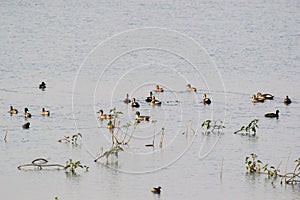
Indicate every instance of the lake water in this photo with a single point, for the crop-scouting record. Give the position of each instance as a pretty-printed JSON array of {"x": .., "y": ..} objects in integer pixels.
[{"x": 91, "y": 54}]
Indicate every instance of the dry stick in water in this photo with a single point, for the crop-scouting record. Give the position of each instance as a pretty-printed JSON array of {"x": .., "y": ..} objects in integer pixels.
[
  {"x": 294, "y": 175},
  {"x": 286, "y": 167},
  {"x": 277, "y": 169},
  {"x": 153, "y": 139},
  {"x": 135, "y": 125},
  {"x": 187, "y": 131},
  {"x": 5, "y": 137},
  {"x": 162, "y": 137},
  {"x": 221, "y": 173},
  {"x": 127, "y": 128}
]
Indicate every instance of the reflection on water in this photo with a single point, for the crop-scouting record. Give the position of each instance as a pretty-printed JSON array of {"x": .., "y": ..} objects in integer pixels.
[{"x": 253, "y": 48}]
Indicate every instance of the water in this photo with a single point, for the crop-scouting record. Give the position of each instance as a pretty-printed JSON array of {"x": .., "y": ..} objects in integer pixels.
[{"x": 91, "y": 54}]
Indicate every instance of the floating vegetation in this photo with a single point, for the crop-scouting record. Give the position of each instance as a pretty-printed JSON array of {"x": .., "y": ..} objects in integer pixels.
[
  {"x": 40, "y": 163},
  {"x": 250, "y": 129},
  {"x": 212, "y": 126}
]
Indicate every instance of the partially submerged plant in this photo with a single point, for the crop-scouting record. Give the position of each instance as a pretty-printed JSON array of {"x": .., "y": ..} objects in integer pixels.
[
  {"x": 253, "y": 166},
  {"x": 113, "y": 151},
  {"x": 292, "y": 177},
  {"x": 114, "y": 115},
  {"x": 272, "y": 171},
  {"x": 212, "y": 125},
  {"x": 154, "y": 130},
  {"x": 252, "y": 163},
  {"x": 71, "y": 166},
  {"x": 162, "y": 137},
  {"x": 250, "y": 129},
  {"x": 73, "y": 140}
]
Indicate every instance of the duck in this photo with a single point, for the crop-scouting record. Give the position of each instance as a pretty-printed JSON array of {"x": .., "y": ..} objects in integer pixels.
[
  {"x": 257, "y": 100},
  {"x": 104, "y": 116},
  {"x": 45, "y": 112},
  {"x": 26, "y": 125},
  {"x": 42, "y": 85},
  {"x": 287, "y": 100},
  {"x": 190, "y": 88},
  {"x": 13, "y": 110},
  {"x": 155, "y": 102},
  {"x": 272, "y": 115},
  {"x": 156, "y": 190},
  {"x": 141, "y": 118},
  {"x": 149, "y": 99},
  {"x": 159, "y": 89},
  {"x": 26, "y": 113},
  {"x": 127, "y": 100},
  {"x": 110, "y": 125},
  {"x": 134, "y": 104},
  {"x": 206, "y": 100},
  {"x": 264, "y": 96}
]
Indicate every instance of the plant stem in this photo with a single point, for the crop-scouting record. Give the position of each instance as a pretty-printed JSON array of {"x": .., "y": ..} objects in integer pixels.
[
  {"x": 162, "y": 137},
  {"x": 5, "y": 137},
  {"x": 221, "y": 173}
]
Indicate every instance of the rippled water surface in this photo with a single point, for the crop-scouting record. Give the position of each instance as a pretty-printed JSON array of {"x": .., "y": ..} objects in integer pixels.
[{"x": 91, "y": 54}]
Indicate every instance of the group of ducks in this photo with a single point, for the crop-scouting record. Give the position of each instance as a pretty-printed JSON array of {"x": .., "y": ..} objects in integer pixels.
[
  {"x": 14, "y": 111},
  {"x": 150, "y": 99},
  {"x": 260, "y": 98}
]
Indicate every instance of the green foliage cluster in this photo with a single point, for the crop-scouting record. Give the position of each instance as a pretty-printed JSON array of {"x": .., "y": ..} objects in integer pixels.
[
  {"x": 71, "y": 166},
  {"x": 212, "y": 125},
  {"x": 250, "y": 129},
  {"x": 253, "y": 165}
]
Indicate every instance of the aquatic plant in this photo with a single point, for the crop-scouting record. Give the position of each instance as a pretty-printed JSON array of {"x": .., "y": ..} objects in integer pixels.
[
  {"x": 153, "y": 138},
  {"x": 5, "y": 136},
  {"x": 114, "y": 115},
  {"x": 292, "y": 177},
  {"x": 272, "y": 171},
  {"x": 250, "y": 129},
  {"x": 162, "y": 137},
  {"x": 252, "y": 163},
  {"x": 40, "y": 163},
  {"x": 113, "y": 151},
  {"x": 73, "y": 139},
  {"x": 71, "y": 166},
  {"x": 212, "y": 125}
]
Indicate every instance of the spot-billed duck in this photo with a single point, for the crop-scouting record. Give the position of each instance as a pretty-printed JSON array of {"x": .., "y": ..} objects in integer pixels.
[
  {"x": 13, "y": 110},
  {"x": 45, "y": 112},
  {"x": 159, "y": 89},
  {"x": 190, "y": 88},
  {"x": 103, "y": 116},
  {"x": 141, "y": 118}
]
